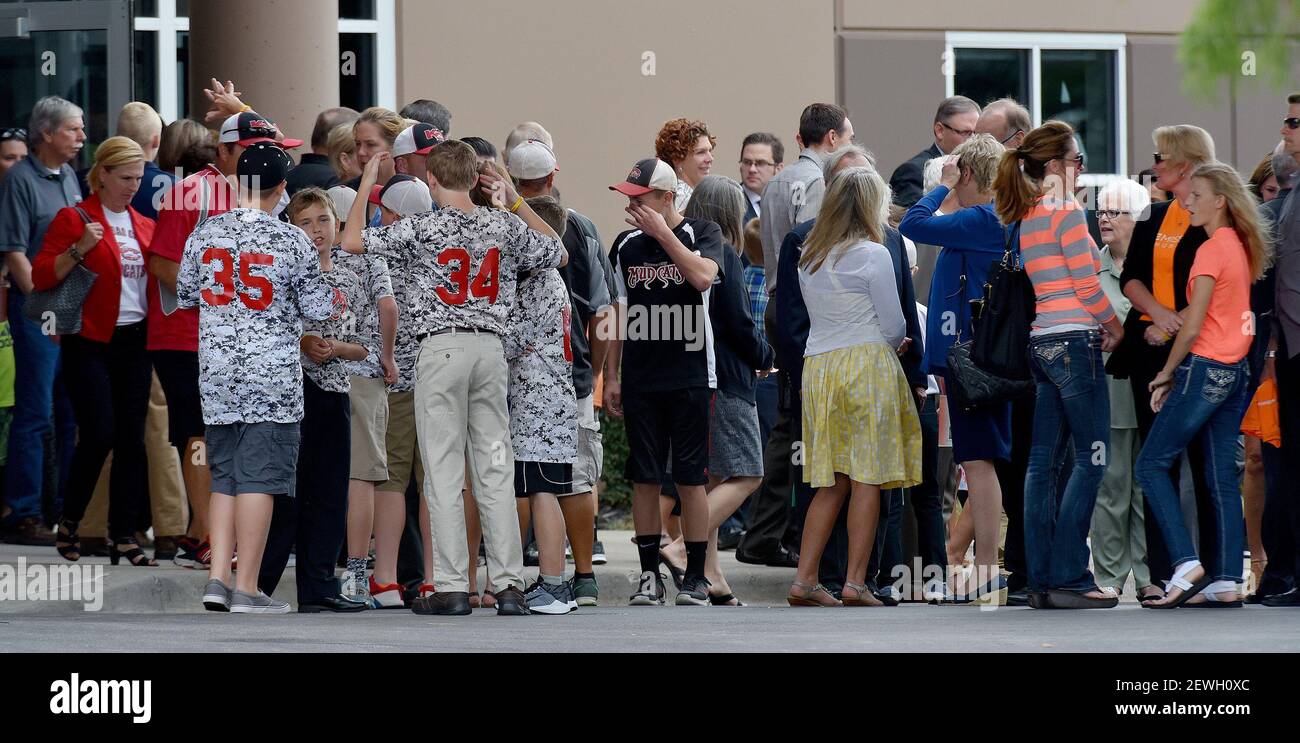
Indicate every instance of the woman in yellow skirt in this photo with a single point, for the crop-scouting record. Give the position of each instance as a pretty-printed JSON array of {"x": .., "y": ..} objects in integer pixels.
[{"x": 861, "y": 432}]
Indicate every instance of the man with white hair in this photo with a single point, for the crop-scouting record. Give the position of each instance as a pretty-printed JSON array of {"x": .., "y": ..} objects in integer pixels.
[{"x": 33, "y": 191}]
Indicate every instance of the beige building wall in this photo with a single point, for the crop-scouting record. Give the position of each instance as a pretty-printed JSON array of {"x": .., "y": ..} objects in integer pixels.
[
  {"x": 1094, "y": 16},
  {"x": 577, "y": 67},
  {"x": 284, "y": 61}
]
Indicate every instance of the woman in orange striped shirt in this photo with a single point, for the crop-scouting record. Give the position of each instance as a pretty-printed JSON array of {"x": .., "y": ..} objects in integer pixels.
[{"x": 1074, "y": 324}]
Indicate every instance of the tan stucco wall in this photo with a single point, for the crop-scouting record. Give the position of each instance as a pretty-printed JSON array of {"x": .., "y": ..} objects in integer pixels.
[
  {"x": 576, "y": 66},
  {"x": 284, "y": 61},
  {"x": 1094, "y": 16}
]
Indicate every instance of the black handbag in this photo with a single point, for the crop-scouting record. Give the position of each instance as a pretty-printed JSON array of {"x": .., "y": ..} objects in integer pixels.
[
  {"x": 969, "y": 386},
  {"x": 1002, "y": 328},
  {"x": 63, "y": 302}
]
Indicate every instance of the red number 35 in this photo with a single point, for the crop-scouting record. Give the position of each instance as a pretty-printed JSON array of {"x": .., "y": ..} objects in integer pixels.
[{"x": 225, "y": 276}]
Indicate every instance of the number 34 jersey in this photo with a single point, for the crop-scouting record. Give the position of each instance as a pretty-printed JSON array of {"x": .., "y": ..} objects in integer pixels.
[
  {"x": 461, "y": 266},
  {"x": 254, "y": 279}
]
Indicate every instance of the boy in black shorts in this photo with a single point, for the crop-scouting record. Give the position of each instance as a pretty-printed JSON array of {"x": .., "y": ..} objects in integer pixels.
[{"x": 665, "y": 269}]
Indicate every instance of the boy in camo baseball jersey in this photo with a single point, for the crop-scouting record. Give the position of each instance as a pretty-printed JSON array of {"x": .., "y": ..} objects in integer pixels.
[
  {"x": 464, "y": 261},
  {"x": 314, "y": 522},
  {"x": 543, "y": 415},
  {"x": 254, "y": 280}
]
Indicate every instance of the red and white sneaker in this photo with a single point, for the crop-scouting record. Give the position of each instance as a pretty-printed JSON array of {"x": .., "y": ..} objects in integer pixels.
[
  {"x": 193, "y": 554},
  {"x": 387, "y": 595}
]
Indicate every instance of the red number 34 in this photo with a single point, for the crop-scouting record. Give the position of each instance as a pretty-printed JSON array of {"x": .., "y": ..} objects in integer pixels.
[
  {"x": 225, "y": 276},
  {"x": 483, "y": 286}
]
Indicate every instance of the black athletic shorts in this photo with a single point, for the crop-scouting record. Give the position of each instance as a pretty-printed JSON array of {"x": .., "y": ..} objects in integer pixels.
[
  {"x": 658, "y": 423},
  {"x": 178, "y": 373},
  {"x": 543, "y": 477}
]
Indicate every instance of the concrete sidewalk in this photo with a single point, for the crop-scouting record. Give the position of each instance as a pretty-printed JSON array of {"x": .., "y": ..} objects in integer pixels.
[{"x": 174, "y": 590}]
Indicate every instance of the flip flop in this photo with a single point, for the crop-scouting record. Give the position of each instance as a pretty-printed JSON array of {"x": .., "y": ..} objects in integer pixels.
[
  {"x": 1062, "y": 599},
  {"x": 725, "y": 600},
  {"x": 1180, "y": 582}
]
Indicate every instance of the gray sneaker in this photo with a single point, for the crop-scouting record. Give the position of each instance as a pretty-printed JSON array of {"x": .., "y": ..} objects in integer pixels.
[
  {"x": 650, "y": 590},
  {"x": 586, "y": 591},
  {"x": 258, "y": 603},
  {"x": 216, "y": 596},
  {"x": 545, "y": 598}
]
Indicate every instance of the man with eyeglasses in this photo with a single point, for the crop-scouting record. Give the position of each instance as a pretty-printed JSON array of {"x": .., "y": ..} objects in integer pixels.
[
  {"x": 1006, "y": 120},
  {"x": 13, "y": 148},
  {"x": 1283, "y": 362},
  {"x": 954, "y": 122},
  {"x": 762, "y": 156}
]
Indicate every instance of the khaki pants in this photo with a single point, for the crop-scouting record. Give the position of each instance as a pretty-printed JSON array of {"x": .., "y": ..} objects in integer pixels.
[
  {"x": 171, "y": 516},
  {"x": 460, "y": 413},
  {"x": 1118, "y": 539}
]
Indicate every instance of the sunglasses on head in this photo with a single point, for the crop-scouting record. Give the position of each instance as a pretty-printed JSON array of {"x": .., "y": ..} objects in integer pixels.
[
  {"x": 20, "y": 133},
  {"x": 1292, "y": 122}
]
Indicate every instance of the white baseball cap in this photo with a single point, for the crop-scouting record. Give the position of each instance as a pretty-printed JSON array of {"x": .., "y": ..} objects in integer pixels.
[
  {"x": 530, "y": 160},
  {"x": 342, "y": 196},
  {"x": 405, "y": 195}
]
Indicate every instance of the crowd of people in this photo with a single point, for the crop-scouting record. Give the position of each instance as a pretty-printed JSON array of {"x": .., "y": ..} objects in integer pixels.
[{"x": 395, "y": 354}]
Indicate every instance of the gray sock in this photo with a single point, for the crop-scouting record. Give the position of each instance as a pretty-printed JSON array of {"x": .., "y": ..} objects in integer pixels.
[{"x": 553, "y": 580}]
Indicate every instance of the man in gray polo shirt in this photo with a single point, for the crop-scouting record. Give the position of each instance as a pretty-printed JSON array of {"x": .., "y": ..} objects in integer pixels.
[{"x": 33, "y": 191}]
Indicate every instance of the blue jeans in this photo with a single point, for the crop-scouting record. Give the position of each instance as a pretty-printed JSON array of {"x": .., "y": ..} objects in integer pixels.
[
  {"x": 36, "y": 362},
  {"x": 1206, "y": 401},
  {"x": 1072, "y": 409}
]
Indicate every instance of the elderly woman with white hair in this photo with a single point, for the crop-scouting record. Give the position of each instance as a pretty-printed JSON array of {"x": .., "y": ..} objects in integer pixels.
[{"x": 1118, "y": 539}]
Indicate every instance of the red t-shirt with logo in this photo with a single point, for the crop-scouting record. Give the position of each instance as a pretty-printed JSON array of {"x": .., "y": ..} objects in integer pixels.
[{"x": 177, "y": 217}]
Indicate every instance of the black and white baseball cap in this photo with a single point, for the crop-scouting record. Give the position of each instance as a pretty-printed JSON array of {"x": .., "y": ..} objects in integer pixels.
[
  {"x": 651, "y": 174},
  {"x": 418, "y": 139},
  {"x": 263, "y": 165},
  {"x": 249, "y": 128}
]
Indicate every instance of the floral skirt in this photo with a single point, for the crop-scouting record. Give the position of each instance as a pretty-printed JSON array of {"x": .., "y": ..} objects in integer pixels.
[{"x": 859, "y": 419}]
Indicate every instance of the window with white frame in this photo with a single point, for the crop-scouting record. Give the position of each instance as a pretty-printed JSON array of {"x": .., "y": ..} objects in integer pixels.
[
  {"x": 1075, "y": 78},
  {"x": 367, "y": 55}
]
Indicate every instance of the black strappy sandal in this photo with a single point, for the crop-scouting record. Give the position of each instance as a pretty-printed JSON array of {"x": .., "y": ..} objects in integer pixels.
[
  {"x": 725, "y": 600},
  {"x": 135, "y": 556},
  {"x": 66, "y": 541}
]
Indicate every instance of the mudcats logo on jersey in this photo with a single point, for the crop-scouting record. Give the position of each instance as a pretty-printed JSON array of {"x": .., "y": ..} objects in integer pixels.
[{"x": 645, "y": 274}]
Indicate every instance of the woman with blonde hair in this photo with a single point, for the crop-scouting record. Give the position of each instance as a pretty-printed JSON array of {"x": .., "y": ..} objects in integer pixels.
[
  {"x": 374, "y": 132},
  {"x": 861, "y": 430},
  {"x": 105, "y": 365},
  {"x": 1073, "y": 325},
  {"x": 1155, "y": 280},
  {"x": 1202, "y": 390}
]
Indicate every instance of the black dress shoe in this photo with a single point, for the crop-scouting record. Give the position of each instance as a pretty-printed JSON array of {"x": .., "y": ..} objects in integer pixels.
[
  {"x": 783, "y": 558},
  {"x": 448, "y": 603},
  {"x": 339, "y": 604},
  {"x": 1018, "y": 597},
  {"x": 510, "y": 602},
  {"x": 730, "y": 539},
  {"x": 1289, "y": 599}
]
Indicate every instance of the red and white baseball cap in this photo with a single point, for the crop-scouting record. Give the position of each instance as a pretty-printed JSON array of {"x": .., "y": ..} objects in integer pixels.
[
  {"x": 651, "y": 174},
  {"x": 418, "y": 139},
  {"x": 250, "y": 127}
]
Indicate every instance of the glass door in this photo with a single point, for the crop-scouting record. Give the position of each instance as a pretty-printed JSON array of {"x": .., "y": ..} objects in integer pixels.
[{"x": 80, "y": 50}]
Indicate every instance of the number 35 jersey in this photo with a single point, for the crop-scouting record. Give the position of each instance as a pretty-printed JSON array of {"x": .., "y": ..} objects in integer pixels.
[
  {"x": 254, "y": 279},
  {"x": 460, "y": 266}
]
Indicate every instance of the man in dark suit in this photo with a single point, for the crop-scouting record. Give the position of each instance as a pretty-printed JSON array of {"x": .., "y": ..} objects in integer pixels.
[
  {"x": 762, "y": 155},
  {"x": 313, "y": 168},
  {"x": 954, "y": 123}
]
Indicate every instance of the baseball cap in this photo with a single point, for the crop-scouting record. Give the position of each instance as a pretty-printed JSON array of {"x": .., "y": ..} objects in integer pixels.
[
  {"x": 530, "y": 160},
  {"x": 250, "y": 127},
  {"x": 417, "y": 139},
  {"x": 651, "y": 174},
  {"x": 342, "y": 196},
  {"x": 403, "y": 194},
  {"x": 265, "y": 164}
]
